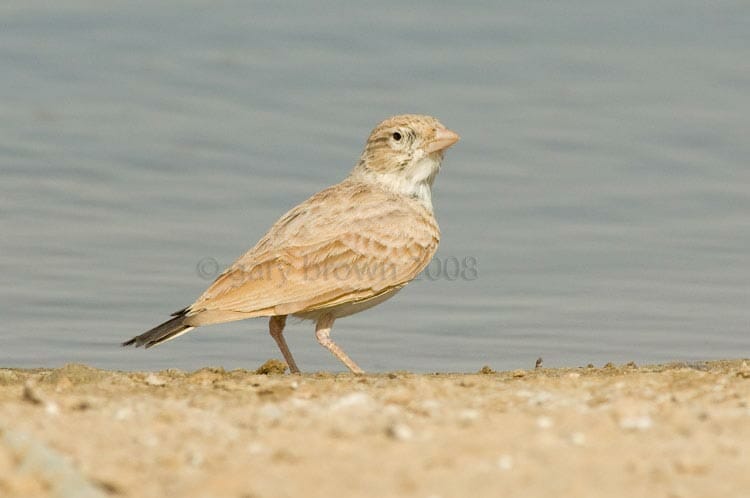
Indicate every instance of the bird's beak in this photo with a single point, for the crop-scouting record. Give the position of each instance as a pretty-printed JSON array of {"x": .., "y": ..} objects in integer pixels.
[{"x": 444, "y": 138}]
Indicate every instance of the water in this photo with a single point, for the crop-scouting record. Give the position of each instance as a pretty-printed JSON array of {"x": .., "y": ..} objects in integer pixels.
[{"x": 602, "y": 183}]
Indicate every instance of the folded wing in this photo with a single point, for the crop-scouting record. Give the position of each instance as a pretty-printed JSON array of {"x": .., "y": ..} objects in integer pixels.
[{"x": 346, "y": 244}]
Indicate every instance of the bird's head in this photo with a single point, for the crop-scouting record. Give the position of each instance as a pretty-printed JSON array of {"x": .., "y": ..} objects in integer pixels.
[{"x": 403, "y": 154}]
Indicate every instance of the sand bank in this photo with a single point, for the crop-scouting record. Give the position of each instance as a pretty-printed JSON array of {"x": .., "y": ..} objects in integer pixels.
[{"x": 618, "y": 431}]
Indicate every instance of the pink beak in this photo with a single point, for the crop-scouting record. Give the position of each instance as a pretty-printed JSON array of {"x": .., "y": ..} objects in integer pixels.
[{"x": 444, "y": 138}]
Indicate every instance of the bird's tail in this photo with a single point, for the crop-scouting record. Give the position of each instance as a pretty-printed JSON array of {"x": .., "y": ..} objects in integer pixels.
[{"x": 168, "y": 330}]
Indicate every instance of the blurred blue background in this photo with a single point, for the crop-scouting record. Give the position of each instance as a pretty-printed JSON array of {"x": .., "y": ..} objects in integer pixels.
[{"x": 602, "y": 182}]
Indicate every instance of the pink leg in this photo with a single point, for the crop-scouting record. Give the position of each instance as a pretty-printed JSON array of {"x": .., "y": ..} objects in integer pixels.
[
  {"x": 276, "y": 326},
  {"x": 323, "y": 334}
]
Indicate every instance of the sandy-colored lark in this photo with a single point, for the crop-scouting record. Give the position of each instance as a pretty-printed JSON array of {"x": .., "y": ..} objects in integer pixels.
[{"x": 345, "y": 249}]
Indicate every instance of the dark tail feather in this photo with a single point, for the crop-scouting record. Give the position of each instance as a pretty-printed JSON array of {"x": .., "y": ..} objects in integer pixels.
[
  {"x": 181, "y": 312},
  {"x": 161, "y": 333}
]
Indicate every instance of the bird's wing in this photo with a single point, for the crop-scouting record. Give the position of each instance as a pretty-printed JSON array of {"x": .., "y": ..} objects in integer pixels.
[{"x": 347, "y": 243}]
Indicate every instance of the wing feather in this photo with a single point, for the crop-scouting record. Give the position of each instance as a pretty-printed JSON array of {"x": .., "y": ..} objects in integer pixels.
[{"x": 346, "y": 244}]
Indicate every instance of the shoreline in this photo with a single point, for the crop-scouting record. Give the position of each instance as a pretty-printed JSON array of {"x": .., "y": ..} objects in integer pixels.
[{"x": 659, "y": 430}]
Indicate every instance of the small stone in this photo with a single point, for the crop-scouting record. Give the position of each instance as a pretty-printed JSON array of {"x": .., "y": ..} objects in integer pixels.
[
  {"x": 578, "y": 438},
  {"x": 355, "y": 399},
  {"x": 636, "y": 423},
  {"x": 155, "y": 380},
  {"x": 430, "y": 407},
  {"x": 486, "y": 370},
  {"x": 518, "y": 373},
  {"x": 392, "y": 410},
  {"x": 207, "y": 376},
  {"x": 195, "y": 458},
  {"x": 540, "y": 397},
  {"x": 123, "y": 413},
  {"x": 149, "y": 440},
  {"x": 82, "y": 405},
  {"x": 76, "y": 373},
  {"x": 271, "y": 412},
  {"x": 63, "y": 383},
  {"x": 256, "y": 448},
  {"x": 468, "y": 416},
  {"x": 399, "y": 432},
  {"x": 51, "y": 408},
  {"x": 544, "y": 422},
  {"x": 272, "y": 367},
  {"x": 31, "y": 395},
  {"x": 505, "y": 462},
  {"x": 573, "y": 375},
  {"x": 744, "y": 371},
  {"x": 300, "y": 404},
  {"x": 399, "y": 374}
]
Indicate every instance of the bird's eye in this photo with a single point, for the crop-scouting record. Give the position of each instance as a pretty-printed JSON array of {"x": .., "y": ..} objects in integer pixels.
[{"x": 396, "y": 136}]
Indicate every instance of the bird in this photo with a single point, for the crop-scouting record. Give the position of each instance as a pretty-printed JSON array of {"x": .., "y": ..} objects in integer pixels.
[{"x": 347, "y": 248}]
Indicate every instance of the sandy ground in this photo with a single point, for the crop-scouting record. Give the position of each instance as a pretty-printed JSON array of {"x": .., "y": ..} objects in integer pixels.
[{"x": 617, "y": 431}]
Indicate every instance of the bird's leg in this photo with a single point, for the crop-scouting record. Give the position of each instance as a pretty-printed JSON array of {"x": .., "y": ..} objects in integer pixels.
[
  {"x": 323, "y": 334},
  {"x": 276, "y": 327}
]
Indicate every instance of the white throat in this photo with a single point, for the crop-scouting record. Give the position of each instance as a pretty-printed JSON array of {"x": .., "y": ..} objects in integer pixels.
[{"x": 415, "y": 181}]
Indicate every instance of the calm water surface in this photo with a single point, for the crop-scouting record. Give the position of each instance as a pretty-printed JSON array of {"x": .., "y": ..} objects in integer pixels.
[{"x": 602, "y": 183}]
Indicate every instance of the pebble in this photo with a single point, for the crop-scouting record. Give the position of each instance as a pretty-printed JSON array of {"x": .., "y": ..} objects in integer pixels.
[
  {"x": 392, "y": 410},
  {"x": 468, "y": 416},
  {"x": 505, "y": 462},
  {"x": 544, "y": 422},
  {"x": 578, "y": 438},
  {"x": 540, "y": 398},
  {"x": 149, "y": 440},
  {"x": 256, "y": 448},
  {"x": 399, "y": 432},
  {"x": 31, "y": 395},
  {"x": 271, "y": 412},
  {"x": 351, "y": 400},
  {"x": 195, "y": 458},
  {"x": 155, "y": 380},
  {"x": 430, "y": 407},
  {"x": 51, "y": 408},
  {"x": 123, "y": 413},
  {"x": 637, "y": 423}
]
